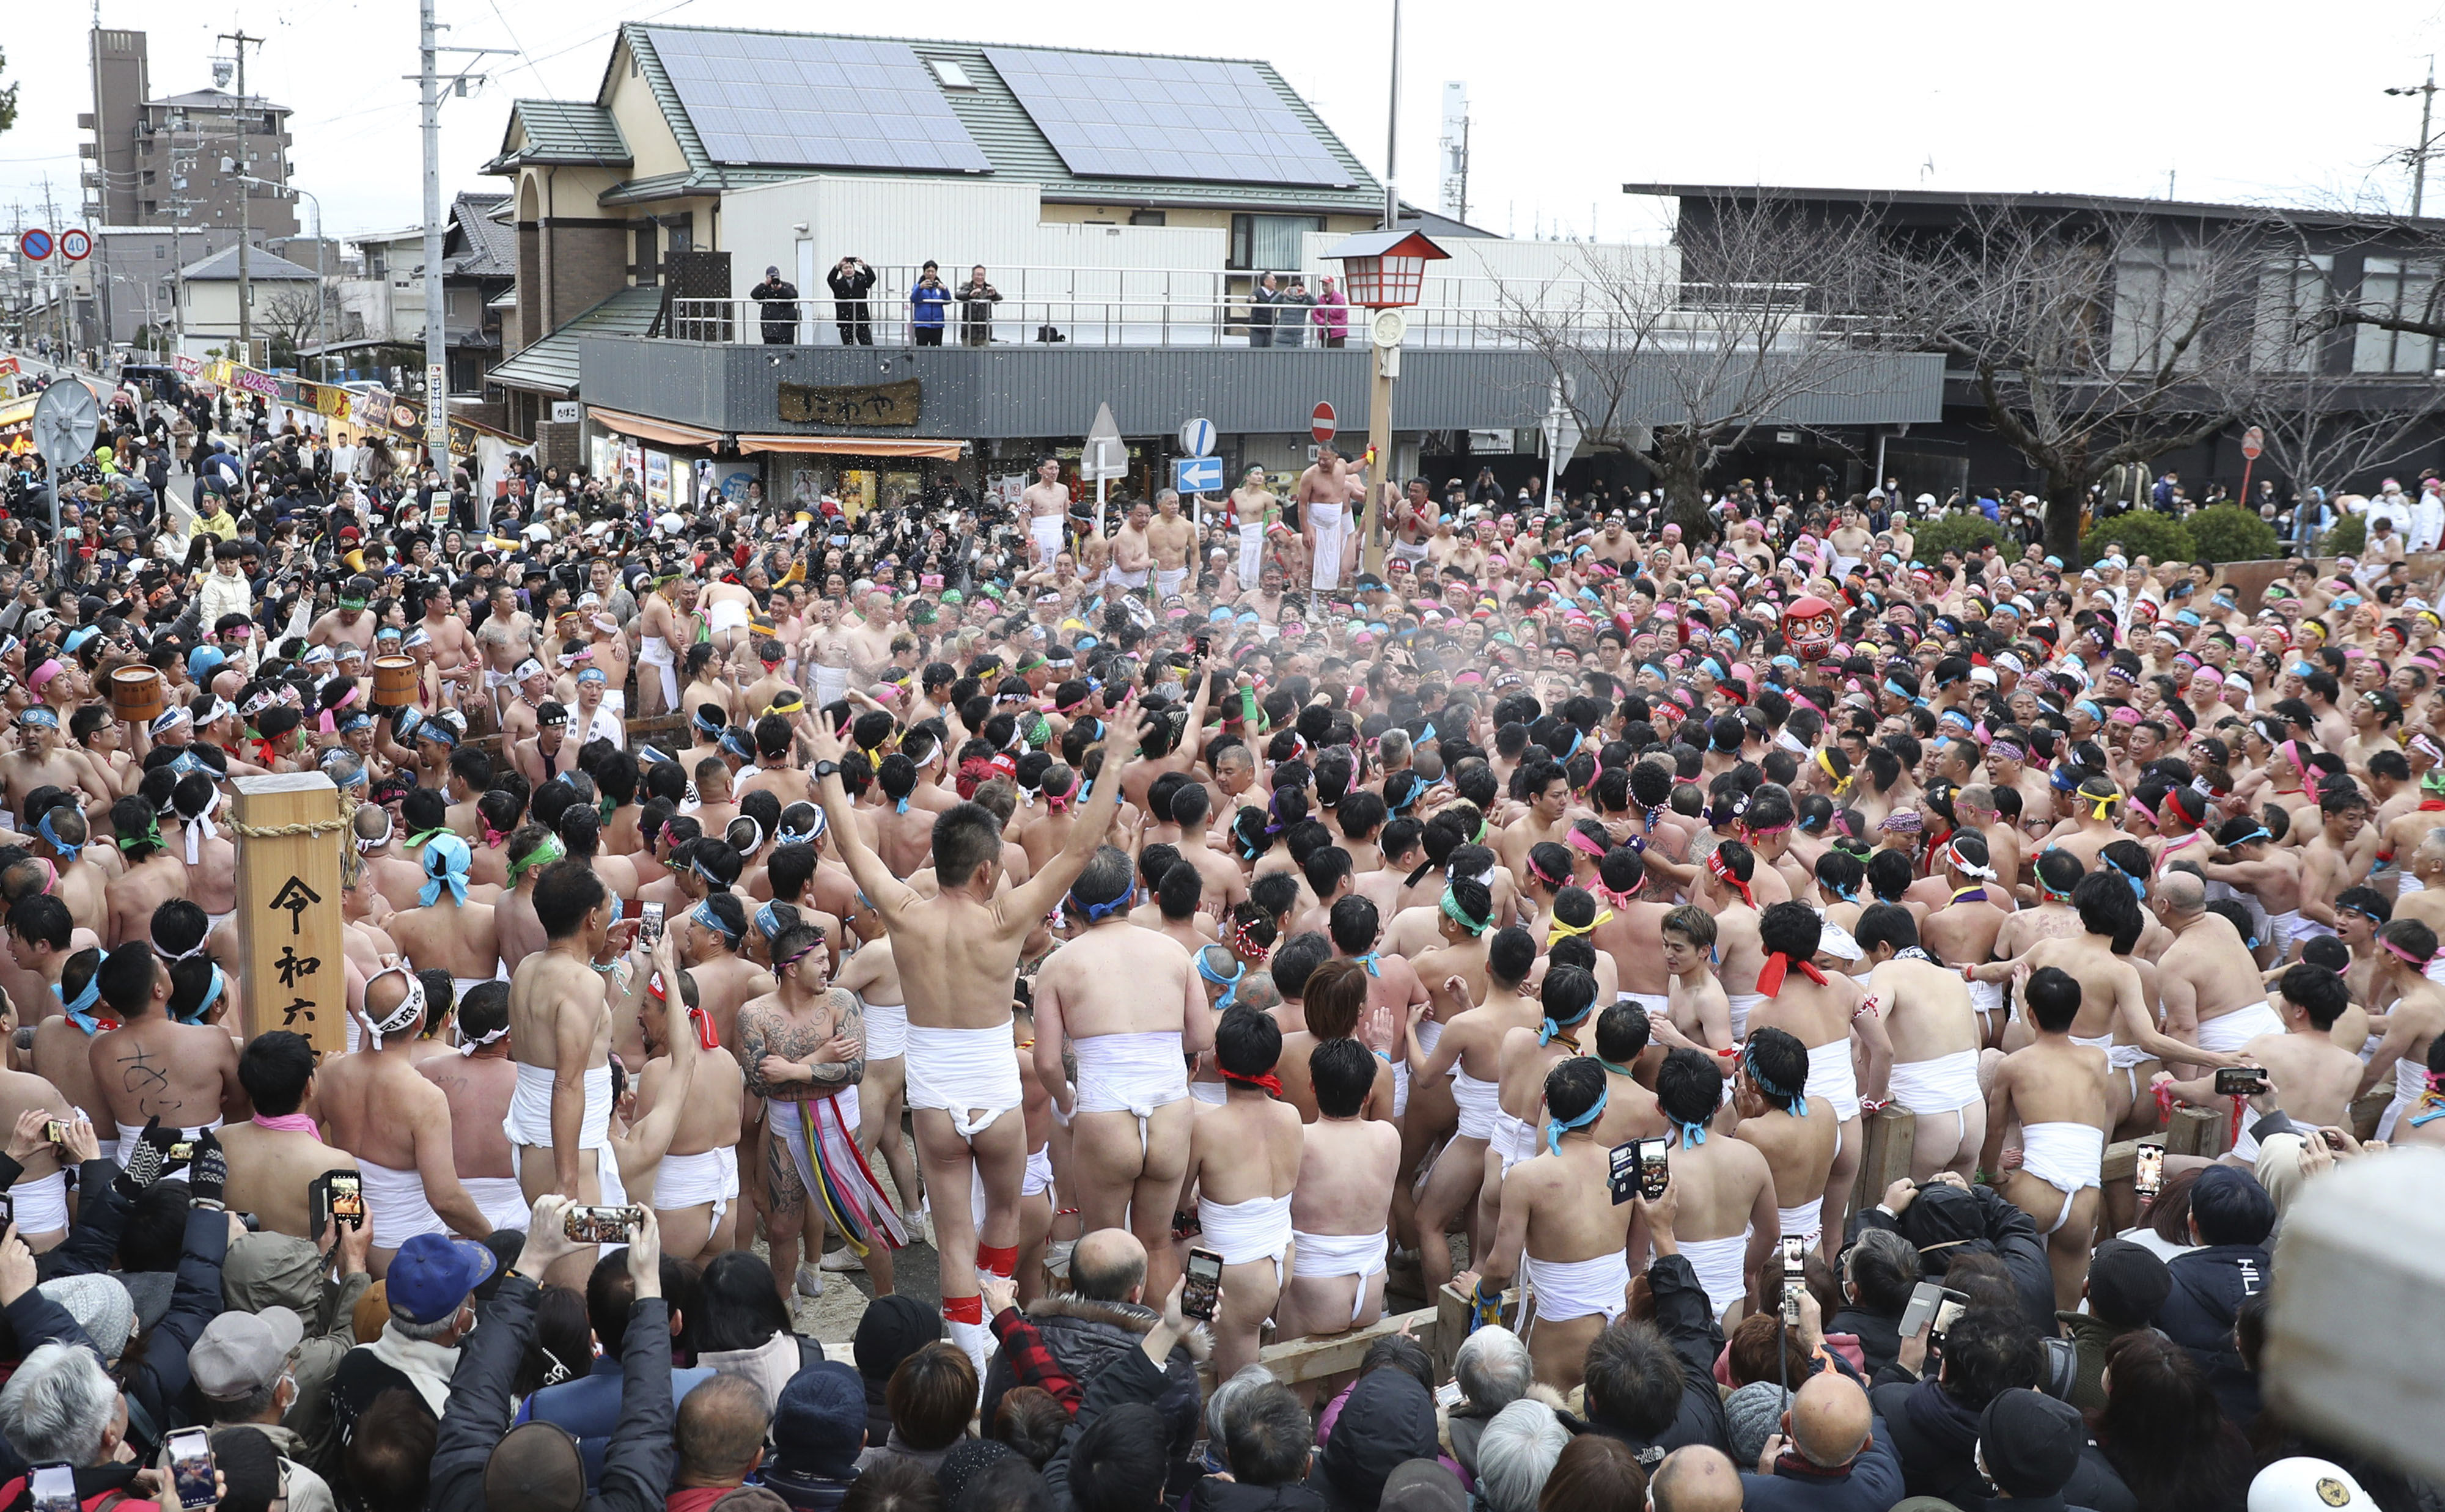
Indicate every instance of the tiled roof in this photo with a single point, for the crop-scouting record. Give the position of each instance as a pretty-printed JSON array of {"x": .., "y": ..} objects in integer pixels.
[
  {"x": 550, "y": 365},
  {"x": 561, "y": 131},
  {"x": 259, "y": 264},
  {"x": 483, "y": 248}
]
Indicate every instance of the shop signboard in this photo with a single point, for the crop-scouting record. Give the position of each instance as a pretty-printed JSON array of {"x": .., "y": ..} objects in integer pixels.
[
  {"x": 860, "y": 405},
  {"x": 658, "y": 480}
]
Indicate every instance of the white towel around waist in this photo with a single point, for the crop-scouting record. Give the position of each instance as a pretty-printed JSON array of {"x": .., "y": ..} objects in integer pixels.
[
  {"x": 1939, "y": 1086},
  {"x": 1832, "y": 1078},
  {"x": 2227, "y": 1033},
  {"x": 396, "y": 1202},
  {"x": 886, "y": 1031},
  {"x": 1257, "y": 1229},
  {"x": 500, "y": 1198},
  {"x": 966, "y": 1071},
  {"x": 129, "y": 1137},
  {"x": 1740, "y": 1004},
  {"x": 2066, "y": 1157},
  {"x": 1480, "y": 1104},
  {"x": 1326, "y": 1255},
  {"x": 1986, "y": 999},
  {"x": 729, "y": 614},
  {"x": 41, "y": 1206},
  {"x": 1658, "y": 1004},
  {"x": 1130, "y": 1073},
  {"x": 1513, "y": 1140},
  {"x": 1804, "y": 1222},
  {"x": 832, "y": 684},
  {"x": 690, "y": 1180},
  {"x": 528, "y": 1123},
  {"x": 1571, "y": 1289},
  {"x": 1719, "y": 1264}
]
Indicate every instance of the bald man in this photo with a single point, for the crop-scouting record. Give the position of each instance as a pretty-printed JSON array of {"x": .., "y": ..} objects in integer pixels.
[
  {"x": 1698, "y": 1479},
  {"x": 1827, "y": 1446}
]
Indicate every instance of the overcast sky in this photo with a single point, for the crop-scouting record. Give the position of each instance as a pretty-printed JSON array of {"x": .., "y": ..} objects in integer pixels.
[{"x": 2248, "y": 102}]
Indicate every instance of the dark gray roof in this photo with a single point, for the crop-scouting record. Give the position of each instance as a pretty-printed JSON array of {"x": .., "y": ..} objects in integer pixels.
[
  {"x": 561, "y": 131},
  {"x": 259, "y": 264},
  {"x": 2039, "y": 201},
  {"x": 550, "y": 365},
  {"x": 999, "y": 125},
  {"x": 480, "y": 245}
]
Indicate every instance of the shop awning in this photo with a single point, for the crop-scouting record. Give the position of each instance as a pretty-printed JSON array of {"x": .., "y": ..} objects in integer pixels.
[
  {"x": 854, "y": 447},
  {"x": 14, "y": 413},
  {"x": 670, "y": 432}
]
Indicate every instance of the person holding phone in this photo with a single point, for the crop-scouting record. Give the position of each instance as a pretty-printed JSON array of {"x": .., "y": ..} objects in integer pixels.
[{"x": 1244, "y": 1160}]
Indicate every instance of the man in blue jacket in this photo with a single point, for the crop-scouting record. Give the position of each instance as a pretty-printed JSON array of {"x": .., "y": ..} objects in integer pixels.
[
  {"x": 1831, "y": 1455},
  {"x": 2230, "y": 1217}
]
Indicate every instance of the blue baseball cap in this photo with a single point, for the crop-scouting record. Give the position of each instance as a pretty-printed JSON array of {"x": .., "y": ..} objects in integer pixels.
[{"x": 432, "y": 1273}]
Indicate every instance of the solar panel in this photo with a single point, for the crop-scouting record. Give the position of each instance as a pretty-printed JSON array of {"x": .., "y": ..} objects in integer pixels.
[
  {"x": 1118, "y": 117},
  {"x": 771, "y": 98}
]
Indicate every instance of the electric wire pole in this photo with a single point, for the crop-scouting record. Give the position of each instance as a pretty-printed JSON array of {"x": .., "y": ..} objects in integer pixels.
[
  {"x": 244, "y": 163},
  {"x": 2419, "y": 156}
]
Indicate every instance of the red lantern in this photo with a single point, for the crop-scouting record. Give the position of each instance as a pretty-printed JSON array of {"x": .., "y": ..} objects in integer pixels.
[{"x": 1808, "y": 627}]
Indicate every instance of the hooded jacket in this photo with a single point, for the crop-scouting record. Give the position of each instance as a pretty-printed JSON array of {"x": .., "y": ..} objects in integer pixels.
[
  {"x": 279, "y": 1270},
  {"x": 1388, "y": 1421},
  {"x": 1687, "y": 1319},
  {"x": 2210, "y": 1285},
  {"x": 1932, "y": 1433},
  {"x": 1086, "y": 1338},
  {"x": 1880, "y": 1337}
]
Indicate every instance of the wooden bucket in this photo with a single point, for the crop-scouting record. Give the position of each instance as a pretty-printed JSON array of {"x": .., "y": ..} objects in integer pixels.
[
  {"x": 394, "y": 681},
  {"x": 136, "y": 694}
]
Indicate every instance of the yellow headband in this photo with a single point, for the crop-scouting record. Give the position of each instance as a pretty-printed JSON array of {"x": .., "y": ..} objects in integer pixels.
[
  {"x": 1842, "y": 783},
  {"x": 1559, "y": 930}
]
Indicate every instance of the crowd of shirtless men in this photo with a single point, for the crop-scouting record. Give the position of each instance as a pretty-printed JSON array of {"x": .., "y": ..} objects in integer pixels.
[{"x": 1316, "y": 931}]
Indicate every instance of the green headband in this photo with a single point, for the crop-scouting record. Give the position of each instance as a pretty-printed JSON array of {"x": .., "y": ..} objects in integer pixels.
[
  {"x": 542, "y": 855},
  {"x": 1451, "y": 907}
]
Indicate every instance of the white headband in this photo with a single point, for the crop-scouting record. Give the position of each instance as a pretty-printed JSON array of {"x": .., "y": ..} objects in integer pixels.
[{"x": 410, "y": 1007}]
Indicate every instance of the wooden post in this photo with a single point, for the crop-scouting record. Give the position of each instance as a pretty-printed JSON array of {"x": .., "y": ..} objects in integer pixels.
[
  {"x": 289, "y": 831},
  {"x": 1887, "y": 1138},
  {"x": 2199, "y": 1131}
]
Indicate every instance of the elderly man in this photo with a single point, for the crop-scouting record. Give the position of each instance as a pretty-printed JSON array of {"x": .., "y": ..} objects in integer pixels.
[
  {"x": 62, "y": 1408},
  {"x": 241, "y": 1368},
  {"x": 1831, "y": 1455}
]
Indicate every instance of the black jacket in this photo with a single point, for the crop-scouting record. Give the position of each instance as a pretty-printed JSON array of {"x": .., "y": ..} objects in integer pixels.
[
  {"x": 1388, "y": 1421},
  {"x": 1979, "y": 1219},
  {"x": 1934, "y": 1434},
  {"x": 1087, "y": 1337},
  {"x": 1880, "y": 1337},
  {"x": 1687, "y": 1319},
  {"x": 1126, "y": 1378},
  {"x": 1214, "y": 1493},
  {"x": 636, "y": 1469},
  {"x": 2210, "y": 1285}
]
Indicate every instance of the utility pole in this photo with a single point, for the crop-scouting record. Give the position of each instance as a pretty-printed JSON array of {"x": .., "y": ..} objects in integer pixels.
[
  {"x": 2419, "y": 156},
  {"x": 53, "y": 276},
  {"x": 244, "y": 164},
  {"x": 437, "y": 356},
  {"x": 1392, "y": 130}
]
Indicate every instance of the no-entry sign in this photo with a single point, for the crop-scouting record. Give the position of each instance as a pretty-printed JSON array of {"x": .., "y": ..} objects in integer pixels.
[
  {"x": 2253, "y": 441},
  {"x": 1320, "y": 423}
]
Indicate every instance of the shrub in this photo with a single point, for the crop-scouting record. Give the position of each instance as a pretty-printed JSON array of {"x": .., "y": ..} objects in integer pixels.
[
  {"x": 2141, "y": 533},
  {"x": 2349, "y": 538},
  {"x": 1965, "y": 532},
  {"x": 2231, "y": 533}
]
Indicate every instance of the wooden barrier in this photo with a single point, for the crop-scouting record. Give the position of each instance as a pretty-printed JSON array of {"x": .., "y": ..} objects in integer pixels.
[
  {"x": 1313, "y": 1359},
  {"x": 2201, "y": 1132},
  {"x": 289, "y": 832},
  {"x": 1887, "y": 1136}
]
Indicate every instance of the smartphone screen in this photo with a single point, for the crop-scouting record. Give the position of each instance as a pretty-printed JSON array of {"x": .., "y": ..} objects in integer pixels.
[
  {"x": 54, "y": 1489},
  {"x": 1204, "y": 646},
  {"x": 601, "y": 1225},
  {"x": 2239, "y": 1081},
  {"x": 2148, "y": 1170},
  {"x": 191, "y": 1467},
  {"x": 1654, "y": 1174},
  {"x": 649, "y": 932},
  {"x": 1947, "y": 1309},
  {"x": 348, "y": 1199},
  {"x": 1205, "y": 1284}
]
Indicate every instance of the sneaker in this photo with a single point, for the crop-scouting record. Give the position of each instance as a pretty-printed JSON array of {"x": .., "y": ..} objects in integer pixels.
[
  {"x": 921, "y": 1227},
  {"x": 840, "y": 1262},
  {"x": 811, "y": 1280}
]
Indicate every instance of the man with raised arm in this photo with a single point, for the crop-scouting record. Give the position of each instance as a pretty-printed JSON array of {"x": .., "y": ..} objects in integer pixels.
[{"x": 959, "y": 952}]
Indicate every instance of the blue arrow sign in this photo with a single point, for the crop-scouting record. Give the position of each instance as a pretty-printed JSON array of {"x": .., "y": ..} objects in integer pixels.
[{"x": 1197, "y": 474}]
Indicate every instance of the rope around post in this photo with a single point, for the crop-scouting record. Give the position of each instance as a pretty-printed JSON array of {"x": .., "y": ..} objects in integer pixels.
[{"x": 346, "y": 820}]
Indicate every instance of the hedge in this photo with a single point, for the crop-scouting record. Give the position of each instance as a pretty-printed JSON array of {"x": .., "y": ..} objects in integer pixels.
[
  {"x": 1966, "y": 532},
  {"x": 2349, "y": 538},
  {"x": 2141, "y": 533},
  {"x": 2227, "y": 532}
]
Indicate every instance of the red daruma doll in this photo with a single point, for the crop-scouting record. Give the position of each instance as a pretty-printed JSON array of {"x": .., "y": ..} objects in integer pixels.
[{"x": 1808, "y": 627}]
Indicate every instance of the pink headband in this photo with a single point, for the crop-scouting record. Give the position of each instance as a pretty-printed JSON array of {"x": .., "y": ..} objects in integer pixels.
[{"x": 43, "y": 674}]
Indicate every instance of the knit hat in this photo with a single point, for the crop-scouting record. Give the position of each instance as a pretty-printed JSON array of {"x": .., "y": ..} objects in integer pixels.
[
  {"x": 891, "y": 1328},
  {"x": 969, "y": 1460},
  {"x": 1754, "y": 1415},
  {"x": 2029, "y": 1442},
  {"x": 101, "y": 1307},
  {"x": 2127, "y": 1283},
  {"x": 819, "y": 1424}
]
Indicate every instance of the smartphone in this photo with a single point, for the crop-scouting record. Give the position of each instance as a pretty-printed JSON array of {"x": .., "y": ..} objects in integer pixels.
[
  {"x": 650, "y": 929},
  {"x": 1947, "y": 1309},
  {"x": 2239, "y": 1081},
  {"x": 53, "y": 1488},
  {"x": 56, "y": 1130},
  {"x": 181, "y": 1152},
  {"x": 1795, "y": 1251},
  {"x": 1925, "y": 1298},
  {"x": 191, "y": 1467},
  {"x": 1204, "y": 646},
  {"x": 1654, "y": 1173},
  {"x": 1205, "y": 1284},
  {"x": 347, "y": 1197},
  {"x": 2148, "y": 1170},
  {"x": 602, "y": 1225}
]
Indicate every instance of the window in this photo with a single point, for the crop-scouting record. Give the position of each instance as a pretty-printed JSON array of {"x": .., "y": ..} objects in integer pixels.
[
  {"x": 1146, "y": 217},
  {"x": 151, "y": 207},
  {"x": 2157, "y": 296},
  {"x": 159, "y": 251},
  {"x": 2287, "y": 334},
  {"x": 1270, "y": 241},
  {"x": 2403, "y": 290},
  {"x": 375, "y": 264},
  {"x": 951, "y": 76}
]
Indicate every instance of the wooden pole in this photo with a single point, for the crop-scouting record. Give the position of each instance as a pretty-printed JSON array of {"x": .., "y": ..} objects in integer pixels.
[
  {"x": 1887, "y": 1138},
  {"x": 289, "y": 831}
]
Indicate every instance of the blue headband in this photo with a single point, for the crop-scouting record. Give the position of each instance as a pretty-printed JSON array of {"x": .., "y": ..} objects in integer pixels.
[
  {"x": 703, "y": 914},
  {"x": 80, "y": 1012},
  {"x": 1229, "y": 984},
  {"x": 1555, "y": 1128},
  {"x": 767, "y": 920},
  {"x": 212, "y": 996},
  {"x": 39, "y": 716},
  {"x": 453, "y": 854},
  {"x": 43, "y": 826},
  {"x": 1795, "y": 1102},
  {"x": 1098, "y": 912},
  {"x": 1552, "y": 1026}
]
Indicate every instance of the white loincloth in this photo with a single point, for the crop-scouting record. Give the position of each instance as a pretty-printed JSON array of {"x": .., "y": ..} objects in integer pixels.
[
  {"x": 1986, "y": 1000},
  {"x": 1332, "y": 522},
  {"x": 1804, "y": 1221},
  {"x": 1037, "y": 1178},
  {"x": 1513, "y": 1140},
  {"x": 965, "y": 1070},
  {"x": 395, "y": 1201},
  {"x": 1719, "y": 1264},
  {"x": 2410, "y": 1085},
  {"x": 886, "y": 1031},
  {"x": 728, "y": 615},
  {"x": 1944, "y": 1085},
  {"x": 654, "y": 655},
  {"x": 832, "y": 684},
  {"x": 1323, "y": 1256},
  {"x": 41, "y": 1206},
  {"x": 2227, "y": 1033},
  {"x": 1400, "y": 1085},
  {"x": 1658, "y": 1005},
  {"x": 1168, "y": 580},
  {"x": 1244, "y": 1233},
  {"x": 1480, "y": 1104},
  {"x": 1252, "y": 549},
  {"x": 2066, "y": 1157},
  {"x": 1045, "y": 531},
  {"x": 1130, "y": 1073},
  {"x": 1564, "y": 1289},
  {"x": 1212, "y": 1094},
  {"x": 528, "y": 1124},
  {"x": 692, "y": 1181},
  {"x": 1740, "y": 1004},
  {"x": 1832, "y": 1078},
  {"x": 129, "y": 1137},
  {"x": 2288, "y": 928},
  {"x": 501, "y": 1201}
]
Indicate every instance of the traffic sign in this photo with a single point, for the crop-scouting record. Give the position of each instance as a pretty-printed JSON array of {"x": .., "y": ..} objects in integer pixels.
[
  {"x": 1104, "y": 456},
  {"x": 75, "y": 245},
  {"x": 35, "y": 244},
  {"x": 1197, "y": 437},
  {"x": 1197, "y": 474},
  {"x": 2254, "y": 442},
  {"x": 1320, "y": 423}
]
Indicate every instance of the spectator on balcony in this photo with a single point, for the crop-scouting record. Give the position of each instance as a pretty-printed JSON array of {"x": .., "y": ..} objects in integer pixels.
[
  {"x": 976, "y": 299},
  {"x": 849, "y": 281},
  {"x": 1331, "y": 315},
  {"x": 1290, "y": 321},
  {"x": 928, "y": 303},
  {"x": 776, "y": 298},
  {"x": 1262, "y": 303}
]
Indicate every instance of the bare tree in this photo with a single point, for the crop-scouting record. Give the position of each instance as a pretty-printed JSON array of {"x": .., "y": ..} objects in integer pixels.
[
  {"x": 2095, "y": 339},
  {"x": 1676, "y": 355},
  {"x": 286, "y": 314}
]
